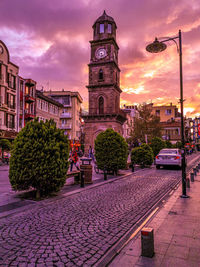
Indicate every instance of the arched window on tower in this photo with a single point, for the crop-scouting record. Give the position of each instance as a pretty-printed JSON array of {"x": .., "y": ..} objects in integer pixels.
[
  {"x": 109, "y": 28},
  {"x": 101, "y": 29},
  {"x": 100, "y": 74},
  {"x": 101, "y": 105}
]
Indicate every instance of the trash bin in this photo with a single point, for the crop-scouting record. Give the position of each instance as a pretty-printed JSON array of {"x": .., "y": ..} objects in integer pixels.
[{"x": 86, "y": 167}]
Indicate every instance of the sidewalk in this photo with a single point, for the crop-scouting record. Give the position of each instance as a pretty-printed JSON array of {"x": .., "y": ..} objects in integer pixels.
[{"x": 176, "y": 234}]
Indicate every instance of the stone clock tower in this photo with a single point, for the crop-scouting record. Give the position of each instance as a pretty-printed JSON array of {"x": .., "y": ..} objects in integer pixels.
[{"x": 104, "y": 82}]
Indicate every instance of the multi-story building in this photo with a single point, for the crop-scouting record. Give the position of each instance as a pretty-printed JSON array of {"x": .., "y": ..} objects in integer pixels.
[
  {"x": 131, "y": 114},
  {"x": 71, "y": 112},
  {"x": 166, "y": 112},
  {"x": 27, "y": 101},
  {"x": 194, "y": 131},
  {"x": 47, "y": 108},
  {"x": 8, "y": 93}
]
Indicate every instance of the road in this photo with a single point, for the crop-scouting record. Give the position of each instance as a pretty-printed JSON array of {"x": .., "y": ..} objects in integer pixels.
[{"x": 78, "y": 230}]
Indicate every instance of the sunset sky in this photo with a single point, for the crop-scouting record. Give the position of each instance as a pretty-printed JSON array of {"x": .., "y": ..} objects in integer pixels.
[{"x": 49, "y": 41}]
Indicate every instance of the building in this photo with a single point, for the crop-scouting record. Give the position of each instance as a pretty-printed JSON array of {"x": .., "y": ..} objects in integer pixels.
[
  {"x": 27, "y": 101},
  {"x": 47, "y": 108},
  {"x": 166, "y": 112},
  {"x": 8, "y": 94},
  {"x": 131, "y": 115},
  {"x": 104, "y": 82},
  {"x": 193, "y": 126},
  {"x": 70, "y": 115}
]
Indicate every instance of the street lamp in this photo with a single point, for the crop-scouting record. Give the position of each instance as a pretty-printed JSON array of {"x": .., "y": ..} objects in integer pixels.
[{"x": 159, "y": 46}]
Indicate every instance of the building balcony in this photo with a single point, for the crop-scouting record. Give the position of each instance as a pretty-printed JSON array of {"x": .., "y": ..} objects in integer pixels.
[
  {"x": 65, "y": 115},
  {"x": 66, "y": 126},
  {"x": 3, "y": 106},
  {"x": 29, "y": 99},
  {"x": 30, "y": 82},
  {"x": 28, "y": 115}
]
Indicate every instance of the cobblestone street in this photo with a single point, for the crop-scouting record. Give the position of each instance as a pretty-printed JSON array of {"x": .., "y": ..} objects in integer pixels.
[{"x": 77, "y": 230}]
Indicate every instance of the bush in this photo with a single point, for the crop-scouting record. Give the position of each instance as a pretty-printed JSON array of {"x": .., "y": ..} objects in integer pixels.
[
  {"x": 157, "y": 144},
  {"x": 142, "y": 156},
  {"x": 168, "y": 144},
  {"x": 111, "y": 150},
  {"x": 39, "y": 158}
]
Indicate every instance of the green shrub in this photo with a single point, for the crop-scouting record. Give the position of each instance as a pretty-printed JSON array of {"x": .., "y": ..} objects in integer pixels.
[
  {"x": 157, "y": 144},
  {"x": 39, "y": 158},
  {"x": 142, "y": 156},
  {"x": 168, "y": 144},
  {"x": 111, "y": 150}
]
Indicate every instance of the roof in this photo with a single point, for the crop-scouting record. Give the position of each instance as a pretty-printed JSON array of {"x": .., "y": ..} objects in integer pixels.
[
  {"x": 39, "y": 94},
  {"x": 104, "y": 18},
  {"x": 63, "y": 93}
]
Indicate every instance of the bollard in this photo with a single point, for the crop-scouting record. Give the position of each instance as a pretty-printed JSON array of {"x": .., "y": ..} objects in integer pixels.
[
  {"x": 192, "y": 177},
  {"x": 105, "y": 174},
  {"x": 82, "y": 179},
  {"x": 147, "y": 241},
  {"x": 132, "y": 166},
  {"x": 199, "y": 165},
  {"x": 188, "y": 182}
]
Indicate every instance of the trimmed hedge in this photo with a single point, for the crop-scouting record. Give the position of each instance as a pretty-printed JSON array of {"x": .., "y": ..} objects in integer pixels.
[
  {"x": 111, "y": 150},
  {"x": 39, "y": 158},
  {"x": 142, "y": 156}
]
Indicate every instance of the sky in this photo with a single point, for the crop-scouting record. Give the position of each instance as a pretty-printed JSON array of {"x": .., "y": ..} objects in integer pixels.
[{"x": 49, "y": 41}]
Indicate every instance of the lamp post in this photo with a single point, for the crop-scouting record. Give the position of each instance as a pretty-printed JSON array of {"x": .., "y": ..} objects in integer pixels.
[{"x": 159, "y": 46}]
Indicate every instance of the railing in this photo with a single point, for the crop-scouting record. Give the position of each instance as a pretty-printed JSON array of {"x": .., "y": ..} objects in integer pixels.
[
  {"x": 66, "y": 126},
  {"x": 66, "y": 115}
]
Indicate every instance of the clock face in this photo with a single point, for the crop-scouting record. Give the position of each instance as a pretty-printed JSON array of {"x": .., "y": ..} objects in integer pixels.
[
  {"x": 101, "y": 53},
  {"x": 1, "y": 49}
]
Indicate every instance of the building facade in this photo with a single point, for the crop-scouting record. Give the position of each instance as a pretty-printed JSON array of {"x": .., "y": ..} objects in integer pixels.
[
  {"x": 47, "y": 108},
  {"x": 104, "y": 82},
  {"x": 27, "y": 101},
  {"x": 131, "y": 115},
  {"x": 8, "y": 94},
  {"x": 70, "y": 115},
  {"x": 166, "y": 112}
]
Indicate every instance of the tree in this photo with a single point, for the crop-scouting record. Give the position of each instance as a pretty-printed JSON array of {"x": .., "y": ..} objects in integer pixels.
[
  {"x": 146, "y": 125},
  {"x": 142, "y": 155},
  {"x": 111, "y": 150},
  {"x": 4, "y": 145},
  {"x": 168, "y": 144},
  {"x": 157, "y": 144},
  {"x": 39, "y": 158}
]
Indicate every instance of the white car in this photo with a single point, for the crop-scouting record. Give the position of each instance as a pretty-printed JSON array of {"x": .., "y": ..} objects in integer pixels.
[{"x": 168, "y": 157}]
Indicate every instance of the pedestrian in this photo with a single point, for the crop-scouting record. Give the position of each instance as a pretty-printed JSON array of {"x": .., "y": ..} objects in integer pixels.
[
  {"x": 91, "y": 154},
  {"x": 73, "y": 160}
]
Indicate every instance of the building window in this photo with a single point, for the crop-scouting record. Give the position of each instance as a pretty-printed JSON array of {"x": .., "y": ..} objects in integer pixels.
[
  {"x": 168, "y": 111},
  {"x": 109, "y": 28},
  {"x": 101, "y": 105},
  {"x": 101, "y": 28},
  {"x": 100, "y": 74},
  {"x": 158, "y": 112}
]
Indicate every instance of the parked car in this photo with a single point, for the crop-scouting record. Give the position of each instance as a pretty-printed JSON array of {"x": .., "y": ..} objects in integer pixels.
[{"x": 168, "y": 157}]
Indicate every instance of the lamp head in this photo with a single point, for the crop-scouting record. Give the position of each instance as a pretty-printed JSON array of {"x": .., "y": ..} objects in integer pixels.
[{"x": 156, "y": 46}]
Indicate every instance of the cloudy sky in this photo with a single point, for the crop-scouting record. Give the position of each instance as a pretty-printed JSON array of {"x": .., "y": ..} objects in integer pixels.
[{"x": 49, "y": 41}]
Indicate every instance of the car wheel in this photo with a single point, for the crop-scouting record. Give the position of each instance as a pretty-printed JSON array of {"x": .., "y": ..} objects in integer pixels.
[{"x": 157, "y": 166}]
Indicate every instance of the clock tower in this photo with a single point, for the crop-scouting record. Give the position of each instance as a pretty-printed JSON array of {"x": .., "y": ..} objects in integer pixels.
[{"x": 104, "y": 82}]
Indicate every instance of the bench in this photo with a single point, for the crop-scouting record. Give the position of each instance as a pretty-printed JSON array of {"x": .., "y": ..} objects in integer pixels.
[{"x": 76, "y": 175}]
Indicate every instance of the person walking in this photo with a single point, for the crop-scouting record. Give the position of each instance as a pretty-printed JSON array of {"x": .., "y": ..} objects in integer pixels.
[
  {"x": 73, "y": 160},
  {"x": 91, "y": 154}
]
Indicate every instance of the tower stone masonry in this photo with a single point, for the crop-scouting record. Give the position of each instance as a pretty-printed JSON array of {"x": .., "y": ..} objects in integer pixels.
[{"x": 104, "y": 82}]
